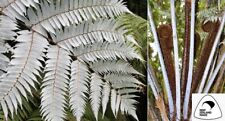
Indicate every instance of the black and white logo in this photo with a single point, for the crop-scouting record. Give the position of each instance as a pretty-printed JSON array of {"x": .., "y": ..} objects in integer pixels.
[{"x": 208, "y": 109}]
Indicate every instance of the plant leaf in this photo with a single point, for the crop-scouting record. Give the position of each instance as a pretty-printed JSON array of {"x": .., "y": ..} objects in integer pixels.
[
  {"x": 66, "y": 12},
  {"x": 95, "y": 96},
  {"x": 89, "y": 32},
  {"x": 120, "y": 66},
  {"x": 16, "y": 8},
  {"x": 54, "y": 85},
  {"x": 78, "y": 88},
  {"x": 105, "y": 51},
  {"x": 22, "y": 70}
]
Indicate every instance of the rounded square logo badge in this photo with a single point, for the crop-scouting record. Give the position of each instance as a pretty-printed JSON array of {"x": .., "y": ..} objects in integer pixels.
[{"x": 208, "y": 107}]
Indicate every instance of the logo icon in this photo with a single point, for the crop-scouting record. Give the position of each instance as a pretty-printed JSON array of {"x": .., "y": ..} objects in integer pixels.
[{"x": 208, "y": 109}]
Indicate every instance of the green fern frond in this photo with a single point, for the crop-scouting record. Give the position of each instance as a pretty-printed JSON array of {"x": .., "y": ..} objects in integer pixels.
[{"x": 211, "y": 14}]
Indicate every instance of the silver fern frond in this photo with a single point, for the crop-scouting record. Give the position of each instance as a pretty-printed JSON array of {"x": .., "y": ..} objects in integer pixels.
[
  {"x": 105, "y": 51},
  {"x": 55, "y": 83},
  {"x": 105, "y": 96},
  {"x": 7, "y": 26},
  {"x": 22, "y": 69},
  {"x": 89, "y": 32},
  {"x": 78, "y": 87},
  {"x": 96, "y": 93},
  {"x": 4, "y": 60},
  {"x": 122, "y": 80},
  {"x": 120, "y": 66},
  {"x": 127, "y": 105},
  {"x": 16, "y": 8},
  {"x": 67, "y": 12}
]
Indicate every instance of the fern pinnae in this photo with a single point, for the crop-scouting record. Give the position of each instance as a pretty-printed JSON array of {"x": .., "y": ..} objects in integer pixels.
[
  {"x": 19, "y": 76},
  {"x": 121, "y": 96},
  {"x": 105, "y": 96},
  {"x": 73, "y": 12},
  {"x": 120, "y": 66},
  {"x": 89, "y": 32},
  {"x": 54, "y": 85},
  {"x": 113, "y": 101},
  {"x": 7, "y": 26},
  {"x": 122, "y": 80},
  {"x": 127, "y": 105},
  {"x": 95, "y": 96},
  {"x": 77, "y": 88},
  {"x": 105, "y": 51},
  {"x": 19, "y": 3},
  {"x": 16, "y": 9}
]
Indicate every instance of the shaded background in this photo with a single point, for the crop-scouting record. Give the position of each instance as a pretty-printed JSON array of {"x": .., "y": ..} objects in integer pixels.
[{"x": 139, "y": 7}]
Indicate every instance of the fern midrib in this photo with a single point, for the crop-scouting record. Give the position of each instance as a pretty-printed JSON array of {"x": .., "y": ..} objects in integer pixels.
[
  {"x": 67, "y": 39},
  {"x": 78, "y": 78},
  {"x": 19, "y": 74},
  {"x": 8, "y": 4},
  {"x": 53, "y": 90},
  {"x": 77, "y": 9},
  {"x": 56, "y": 67}
]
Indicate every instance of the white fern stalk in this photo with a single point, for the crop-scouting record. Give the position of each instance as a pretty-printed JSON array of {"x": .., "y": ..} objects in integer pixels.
[
  {"x": 217, "y": 39},
  {"x": 176, "y": 58},
  {"x": 191, "y": 61},
  {"x": 151, "y": 82},
  {"x": 209, "y": 84},
  {"x": 165, "y": 76},
  {"x": 213, "y": 65}
]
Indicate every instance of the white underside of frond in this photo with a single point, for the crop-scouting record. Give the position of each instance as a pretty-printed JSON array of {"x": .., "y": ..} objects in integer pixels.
[
  {"x": 54, "y": 85},
  {"x": 127, "y": 105},
  {"x": 16, "y": 8},
  {"x": 6, "y": 28},
  {"x": 122, "y": 90},
  {"x": 95, "y": 96},
  {"x": 6, "y": 33},
  {"x": 120, "y": 67},
  {"x": 89, "y": 32},
  {"x": 4, "y": 60},
  {"x": 105, "y": 97},
  {"x": 78, "y": 88},
  {"x": 67, "y": 12},
  {"x": 122, "y": 80},
  {"x": 20, "y": 76},
  {"x": 105, "y": 51}
]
